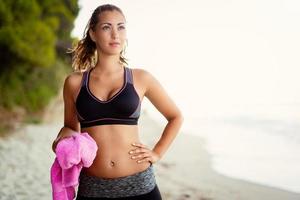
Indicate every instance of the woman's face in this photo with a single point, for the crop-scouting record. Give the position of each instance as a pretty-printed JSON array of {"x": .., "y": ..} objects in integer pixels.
[{"x": 109, "y": 33}]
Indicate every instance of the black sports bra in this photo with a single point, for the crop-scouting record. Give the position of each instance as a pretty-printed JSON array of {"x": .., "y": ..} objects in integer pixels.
[{"x": 122, "y": 108}]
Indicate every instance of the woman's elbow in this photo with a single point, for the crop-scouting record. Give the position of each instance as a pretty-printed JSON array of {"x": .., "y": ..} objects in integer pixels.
[{"x": 178, "y": 117}]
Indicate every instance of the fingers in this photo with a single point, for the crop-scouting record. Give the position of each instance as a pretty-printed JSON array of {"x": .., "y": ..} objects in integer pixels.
[
  {"x": 145, "y": 157},
  {"x": 141, "y": 154},
  {"x": 141, "y": 148},
  {"x": 148, "y": 159},
  {"x": 138, "y": 150},
  {"x": 136, "y": 144}
]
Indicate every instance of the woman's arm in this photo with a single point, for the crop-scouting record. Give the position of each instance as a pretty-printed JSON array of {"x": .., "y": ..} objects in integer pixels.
[
  {"x": 71, "y": 123},
  {"x": 165, "y": 105}
]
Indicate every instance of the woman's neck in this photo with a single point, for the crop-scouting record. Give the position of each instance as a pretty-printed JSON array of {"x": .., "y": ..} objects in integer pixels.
[{"x": 108, "y": 64}]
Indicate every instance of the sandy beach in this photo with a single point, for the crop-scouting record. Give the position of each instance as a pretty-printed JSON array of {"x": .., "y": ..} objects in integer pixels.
[{"x": 184, "y": 172}]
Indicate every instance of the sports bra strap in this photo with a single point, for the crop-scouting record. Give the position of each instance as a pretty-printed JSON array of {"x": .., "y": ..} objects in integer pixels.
[
  {"x": 129, "y": 75},
  {"x": 84, "y": 78}
]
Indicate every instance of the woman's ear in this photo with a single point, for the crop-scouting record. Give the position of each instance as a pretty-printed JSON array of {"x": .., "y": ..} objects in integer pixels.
[{"x": 91, "y": 33}]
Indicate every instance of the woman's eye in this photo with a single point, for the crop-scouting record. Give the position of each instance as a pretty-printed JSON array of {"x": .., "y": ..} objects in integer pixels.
[
  {"x": 121, "y": 27},
  {"x": 105, "y": 27}
]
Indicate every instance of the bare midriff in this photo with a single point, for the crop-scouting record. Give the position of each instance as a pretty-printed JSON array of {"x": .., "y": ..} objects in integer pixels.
[{"x": 114, "y": 143}]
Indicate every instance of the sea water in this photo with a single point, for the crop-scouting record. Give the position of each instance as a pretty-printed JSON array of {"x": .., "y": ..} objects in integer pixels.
[{"x": 261, "y": 146}]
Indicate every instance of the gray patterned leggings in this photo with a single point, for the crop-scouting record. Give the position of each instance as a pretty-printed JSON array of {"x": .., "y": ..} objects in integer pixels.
[{"x": 141, "y": 185}]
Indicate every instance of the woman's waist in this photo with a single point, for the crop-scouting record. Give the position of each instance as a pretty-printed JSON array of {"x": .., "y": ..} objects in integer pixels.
[
  {"x": 112, "y": 140},
  {"x": 114, "y": 144},
  {"x": 113, "y": 159},
  {"x": 115, "y": 166}
]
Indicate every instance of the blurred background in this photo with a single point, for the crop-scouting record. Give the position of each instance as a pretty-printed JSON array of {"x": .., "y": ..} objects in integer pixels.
[
  {"x": 232, "y": 66},
  {"x": 34, "y": 36}
]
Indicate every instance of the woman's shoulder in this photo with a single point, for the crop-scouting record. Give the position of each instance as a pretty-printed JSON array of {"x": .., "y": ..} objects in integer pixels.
[
  {"x": 73, "y": 80},
  {"x": 138, "y": 70},
  {"x": 141, "y": 73}
]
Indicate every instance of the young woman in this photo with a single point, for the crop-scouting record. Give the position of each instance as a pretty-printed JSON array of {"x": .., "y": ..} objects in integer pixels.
[{"x": 104, "y": 99}]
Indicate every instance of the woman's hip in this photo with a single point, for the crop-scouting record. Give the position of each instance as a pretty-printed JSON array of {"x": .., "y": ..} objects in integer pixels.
[{"x": 132, "y": 186}]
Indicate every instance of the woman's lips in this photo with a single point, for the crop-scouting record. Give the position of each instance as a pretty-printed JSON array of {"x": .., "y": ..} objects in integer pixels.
[{"x": 114, "y": 44}]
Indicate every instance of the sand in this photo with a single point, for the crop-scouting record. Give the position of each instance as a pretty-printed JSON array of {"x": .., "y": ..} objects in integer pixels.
[{"x": 184, "y": 172}]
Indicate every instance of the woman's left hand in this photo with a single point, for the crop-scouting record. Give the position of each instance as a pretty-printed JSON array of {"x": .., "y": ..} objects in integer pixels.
[{"x": 143, "y": 154}]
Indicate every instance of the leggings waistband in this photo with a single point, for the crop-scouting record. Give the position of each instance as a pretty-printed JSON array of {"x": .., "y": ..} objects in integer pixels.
[{"x": 132, "y": 185}]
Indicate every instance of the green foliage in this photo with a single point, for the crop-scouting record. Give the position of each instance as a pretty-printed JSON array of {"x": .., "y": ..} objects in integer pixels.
[
  {"x": 31, "y": 88},
  {"x": 34, "y": 37},
  {"x": 31, "y": 42},
  {"x": 34, "y": 31},
  {"x": 60, "y": 15},
  {"x": 5, "y": 15},
  {"x": 24, "y": 10}
]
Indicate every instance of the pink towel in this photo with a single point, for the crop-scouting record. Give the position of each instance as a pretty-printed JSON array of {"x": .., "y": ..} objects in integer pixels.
[{"x": 72, "y": 154}]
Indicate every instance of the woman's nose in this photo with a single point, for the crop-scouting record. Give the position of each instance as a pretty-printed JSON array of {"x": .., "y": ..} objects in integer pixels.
[{"x": 115, "y": 33}]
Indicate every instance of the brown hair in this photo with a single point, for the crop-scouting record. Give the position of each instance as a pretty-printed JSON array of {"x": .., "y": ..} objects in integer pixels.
[{"x": 84, "y": 52}]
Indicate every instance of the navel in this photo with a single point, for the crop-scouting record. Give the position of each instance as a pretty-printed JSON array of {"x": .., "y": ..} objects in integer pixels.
[{"x": 112, "y": 163}]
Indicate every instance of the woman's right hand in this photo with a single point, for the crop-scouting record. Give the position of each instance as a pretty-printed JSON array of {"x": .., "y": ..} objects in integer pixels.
[{"x": 63, "y": 133}]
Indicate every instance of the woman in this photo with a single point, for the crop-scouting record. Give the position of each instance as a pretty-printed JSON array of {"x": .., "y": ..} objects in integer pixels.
[{"x": 105, "y": 101}]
